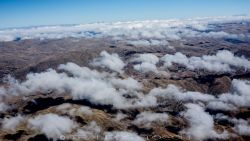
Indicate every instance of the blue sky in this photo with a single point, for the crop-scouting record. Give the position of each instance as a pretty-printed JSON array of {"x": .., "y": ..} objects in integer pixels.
[{"x": 18, "y": 13}]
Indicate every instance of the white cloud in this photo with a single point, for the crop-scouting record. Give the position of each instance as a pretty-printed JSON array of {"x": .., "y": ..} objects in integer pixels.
[
  {"x": 52, "y": 125},
  {"x": 85, "y": 110},
  {"x": 128, "y": 83},
  {"x": 178, "y": 58},
  {"x": 149, "y": 58},
  {"x": 239, "y": 96},
  {"x": 81, "y": 72},
  {"x": 143, "y": 42},
  {"x": 111, "y": 61},
  {"x": 145, "y": 67},
  {"x": 63, "y": 107},
  {"x": 147, "y": 63},
  {"x": 223, "y": 61},
  {"x": 88, "y": 132},
  {"x": 120, "y": 116},
  {"x": 2, "y": 93},
  {"x": 147, "y": 118},
  {"x": 173, "y": 92},
  {"x": 122, "y": 136},
  {"x": 96, "y": 90},
  {"x": 201, "y": 124},
  {"x": 4, "y": 107},
  {"x": 145, "y": 100},
  {"x": 12, "y": 122},
  {"x": 43, "y": 82},
  {"x": 242, "y": 127},
  {"x": 220, "y": 105},
  {"x": 83, "y": 83}
]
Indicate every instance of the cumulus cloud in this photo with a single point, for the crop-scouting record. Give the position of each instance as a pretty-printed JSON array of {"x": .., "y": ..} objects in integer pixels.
[
  {"x": 201, "y": 124},
  {"x": 239, "y": 96},
  {"x": 88, "y": 132},
  {"x": 128, "y": 83},
  {"x": 147, "y": 118},
  {"x": 242, "y": 127},
  {"x": 145, "y": 67},
  {"x": 64, "y": 106},
  {"x": 43, "y": 82},
  {"x": 52, "y": 125},
  {"x": 174, "y": 92},
  {"x": 96, "y": 90},
  {"x": 106, "y": 89},
  {"x": 223, "y": 61},
  {"x": 220, "y": 105},
  {"x": 145, "y": 100},
  {"x": 2, "y": 93},
  {"x": 122, "y": 136},
  {"x": 120, "y": 116},
  {"x": 4, "y": 107},
  {"x": 110, "y": 61},
  {"x": 151, "y": 42},
  {"x": 82, "y": 83},
  {"x": 12, "y": 122},
  {"x": 150, "y": 58},
  {"x": 85, "y": 110},
  {"x": 81, "y": 72},
  {"x": 147, "y": 63},
  {"x": 67, "y": 108}
]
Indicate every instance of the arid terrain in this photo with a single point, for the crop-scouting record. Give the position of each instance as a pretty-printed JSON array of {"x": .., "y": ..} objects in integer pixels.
[{"x": 196, "y": 87}]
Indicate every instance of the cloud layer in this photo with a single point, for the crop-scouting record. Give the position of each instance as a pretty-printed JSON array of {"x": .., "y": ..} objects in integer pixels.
[{"x": 155, "y": 32}]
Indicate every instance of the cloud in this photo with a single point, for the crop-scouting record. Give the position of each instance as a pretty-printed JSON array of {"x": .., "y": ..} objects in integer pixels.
[
  {"x": 4, "y": 107},
  {"x": 223, "y": 61},
  {"x": 149, "y": 58},
  {"x": 42, "y": 82},
  {"x": 110, "y": 61},
  {"x": 145, "y": 67},
  {"x": 239, "y": 95},
  {"x": 122, "y": 136},
  {"x": 3, "y": 96},
  {"x": 174, "y": 92},
  {"x": 201, "y": 124},
  {"x": 2, "y": 93},
  {"x": 105, "y": 89},
  {"x": 147, "y": 118},
  {"x": 242, "y": 127},
  {"x": 147, "y": 63},
  {"x": 12, "y": 122},
  {"x": 128, "y": 83},
  {"x": 151, "y": 42},
  {"x": 88, "y": 132},
  {"x": 97, "y": 91},
  {"x": 120, "y": 116},
  {"x": 146, "y": 33},
  {"x": 220, "y": 105},
  {"x": 146, "y": 100},
  {"x": 80, "y": 83},
  {"x": 81, "y": 72},
  {"x": 67, "y": 108},
  {"x": 52, "y": 125},
  {"x": 85, "y": 110}
]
